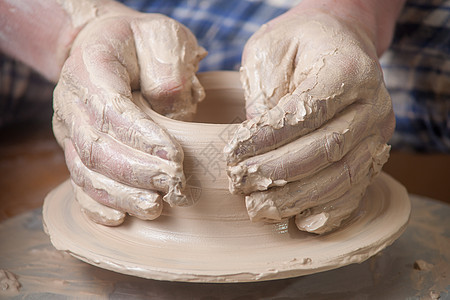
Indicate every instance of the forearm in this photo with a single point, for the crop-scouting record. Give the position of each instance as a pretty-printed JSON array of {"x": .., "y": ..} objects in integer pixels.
[
  {"x": 41, "y": 33},
  {"x": 376, "y": 17}
]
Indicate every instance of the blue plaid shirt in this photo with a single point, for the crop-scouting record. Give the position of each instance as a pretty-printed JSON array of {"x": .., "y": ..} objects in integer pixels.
[
  {"x": 417, "y": 75},
  {"x": 416, "y": 67}
]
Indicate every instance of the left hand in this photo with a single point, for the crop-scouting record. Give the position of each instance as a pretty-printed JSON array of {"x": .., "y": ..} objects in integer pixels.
[
  {"x": 319, "y": 117},
  {"x": 119, "y": 159}
]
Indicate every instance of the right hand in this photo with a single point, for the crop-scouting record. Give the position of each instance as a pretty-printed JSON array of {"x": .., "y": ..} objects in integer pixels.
[
  {"x": 117, "y": 156},
  {"x": 319, "y": 119}
]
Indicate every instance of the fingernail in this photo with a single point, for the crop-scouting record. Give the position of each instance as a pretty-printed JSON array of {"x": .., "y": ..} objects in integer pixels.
[
  {"x": 260, "y": 209},
  {"x": 176, "y": 198},
  {"x": 148, "y": 207}
]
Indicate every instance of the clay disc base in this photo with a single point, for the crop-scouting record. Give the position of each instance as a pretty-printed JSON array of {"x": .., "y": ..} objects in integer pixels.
[{"x": 150, "y": 249}]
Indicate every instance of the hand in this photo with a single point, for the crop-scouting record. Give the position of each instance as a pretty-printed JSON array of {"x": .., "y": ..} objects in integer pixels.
[
  {"x": 117, "y": 156},
  {"x": 319, "y": 117}
]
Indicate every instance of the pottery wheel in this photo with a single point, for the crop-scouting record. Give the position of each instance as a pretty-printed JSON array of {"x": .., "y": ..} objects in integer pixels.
[{"x": 158, "y": 250}]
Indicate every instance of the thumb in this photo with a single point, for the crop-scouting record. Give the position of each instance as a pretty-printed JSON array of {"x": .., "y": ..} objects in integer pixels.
[{"x": 168, "y": 55}]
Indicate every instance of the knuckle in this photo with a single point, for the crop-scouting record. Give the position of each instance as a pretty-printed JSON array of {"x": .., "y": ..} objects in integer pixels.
[
  {"x": 334, "y": 146},
  {"x": 87, "y": 146}
]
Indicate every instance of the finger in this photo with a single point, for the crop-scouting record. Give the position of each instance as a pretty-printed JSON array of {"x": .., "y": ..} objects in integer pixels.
[
  {"x": 332, "y": 82},
  {"x": 327, "y": 217},
  {"x": 144, "y": 204},
  {"x": 274, "y": 66},
  {"x": 104, "y": 155},
  {"x": 310, "y": 153},
  {"x": 264, "y": 74},
  {"x": 59, "y": 130},
  {"x": 357, "y": 168},
  {"x": 169, "y": 55},
  {"x": 99, "y": 76},
  {"x": 97, "y": 212},
  {"x": 141, "y": 133}
]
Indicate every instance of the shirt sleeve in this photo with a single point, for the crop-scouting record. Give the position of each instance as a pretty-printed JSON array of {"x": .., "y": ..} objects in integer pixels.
[
  {"x": 24, "y": 94},
  {"x": 221, "y": 27},
  {"x": 417, "y": 74}
]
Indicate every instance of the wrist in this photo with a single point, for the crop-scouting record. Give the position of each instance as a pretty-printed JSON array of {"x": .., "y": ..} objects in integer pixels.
[
  {"x": 377, "y": 18},
  {"x": 79, "y": 15},
  {"x": 41, "y": 33}
]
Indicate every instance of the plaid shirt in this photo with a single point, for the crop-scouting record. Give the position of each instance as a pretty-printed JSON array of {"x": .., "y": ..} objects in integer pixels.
[
  {"x": 417, "y": 75},
  {"x": 416, "y": 67}
]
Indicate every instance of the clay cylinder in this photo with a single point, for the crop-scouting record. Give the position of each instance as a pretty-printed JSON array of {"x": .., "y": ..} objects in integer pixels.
[{"x": 203, "y": 141}]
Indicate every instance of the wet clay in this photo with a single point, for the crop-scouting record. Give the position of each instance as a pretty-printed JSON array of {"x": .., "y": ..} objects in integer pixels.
[
  {"x": 9, "y": 285},
  {"x": 204, "y": 164},
  {"x": 224, "y": 246},
  {"x": 179, "y": 244},
  {"x": 42, "y": 270}
]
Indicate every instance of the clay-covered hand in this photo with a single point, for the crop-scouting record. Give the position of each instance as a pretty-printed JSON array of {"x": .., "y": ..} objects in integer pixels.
[
  {"x": 319, "y": 117},
  {"x": 120, "y": 161}
]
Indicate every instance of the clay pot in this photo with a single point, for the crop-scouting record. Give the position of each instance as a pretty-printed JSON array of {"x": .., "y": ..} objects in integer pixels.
[
  {"x": 214, "y": 240},
  {"x": 203, "y": 141}
]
